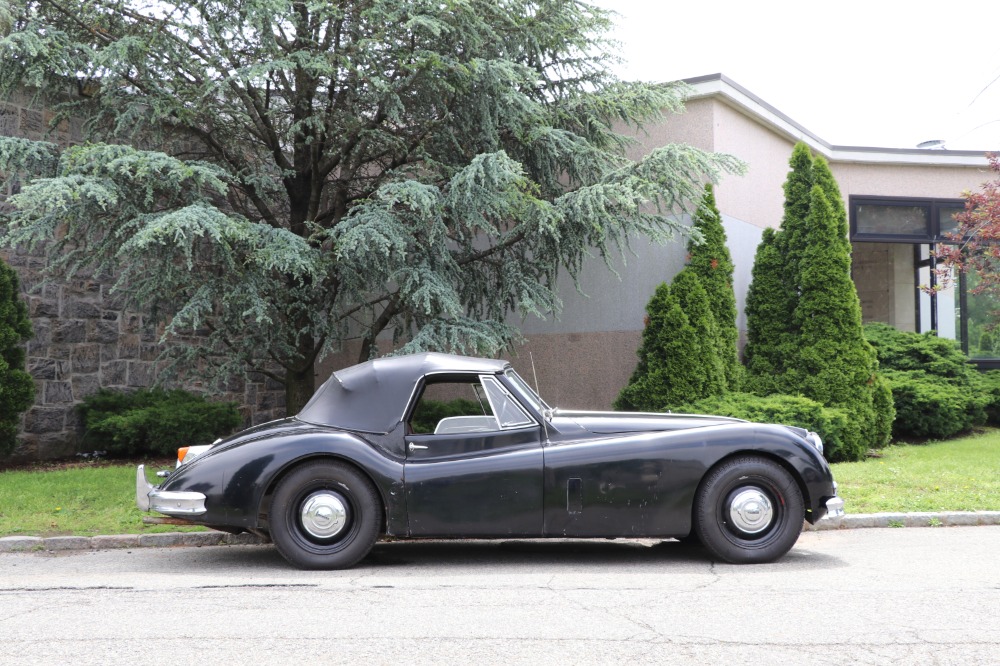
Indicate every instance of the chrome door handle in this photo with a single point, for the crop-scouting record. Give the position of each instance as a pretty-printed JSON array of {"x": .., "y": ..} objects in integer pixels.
[{"x": 417, "y": 447}]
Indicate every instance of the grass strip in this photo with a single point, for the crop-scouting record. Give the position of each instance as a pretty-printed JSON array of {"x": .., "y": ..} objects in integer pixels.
[
  {"x": 955, "y": 475},
  {"x": 80, "y": 500}
]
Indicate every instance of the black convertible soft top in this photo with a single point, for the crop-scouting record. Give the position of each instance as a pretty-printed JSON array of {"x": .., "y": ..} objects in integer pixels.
[{"x": 372, "y": 396}]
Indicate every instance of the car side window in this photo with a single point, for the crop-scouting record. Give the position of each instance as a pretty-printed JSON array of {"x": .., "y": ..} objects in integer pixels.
[{"x": 448, "y": 407}]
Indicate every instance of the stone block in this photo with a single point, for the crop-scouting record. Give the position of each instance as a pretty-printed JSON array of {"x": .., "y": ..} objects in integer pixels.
[
  {"x": 131, "y": 323},
  {"x": 149, "y": 352},
  {"x": 100, "y": 330},
  {"x": 58, "y": 445},
  {"x": 32, "y": 122},
  {"x": 86, "y": 358},
  {"x": 16, "y": 544},
  {"x": 69, "y": 331},
  {"x": 58, "y": 392},
  {"x": 74, "y": 309},
  {"x": 113, "y": 373},
  {"x": 41, "y": 368},
  {"x": 41, "y": 420},
  {"x": 128, "y": 346},
  {"x": 42, "y": 307},
  {"x": 109, "y": 541},
  {"x": 60, "y": 352},
  {"x": 67, "y": 543},
  {"x": 8, "y": 120},
  {"x": 141, "y": 374},
  {"x": 84, "y": 385}
]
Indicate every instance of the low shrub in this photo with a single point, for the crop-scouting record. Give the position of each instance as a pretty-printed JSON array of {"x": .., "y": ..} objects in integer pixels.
[
  {"x": 936, "y": 391},
  {"x": 153, "y": 422},
  {"x": 989, "y": 389},
  {"x": 842, "y": 439},
  {"x": 929, "y": 407}
]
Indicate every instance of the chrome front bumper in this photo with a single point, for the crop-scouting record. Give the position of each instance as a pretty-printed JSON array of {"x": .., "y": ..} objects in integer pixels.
[
  {"x": 834, "y": 507},
  {"x": 172, "y": 503}
]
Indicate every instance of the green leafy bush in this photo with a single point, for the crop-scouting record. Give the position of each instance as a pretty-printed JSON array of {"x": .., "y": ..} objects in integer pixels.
[
  {"x": 840, "y": 432},
  {"x": 155, "y": 421},
  {"x": 989, "y": 389},
  {"x": 927, "y": 406},
  {"x": 936, "y": 391}
]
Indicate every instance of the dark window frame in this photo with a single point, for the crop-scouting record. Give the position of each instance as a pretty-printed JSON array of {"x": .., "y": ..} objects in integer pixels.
[
  {"x": 932, "y": 206},
  {"x": 934, "y": 237}
]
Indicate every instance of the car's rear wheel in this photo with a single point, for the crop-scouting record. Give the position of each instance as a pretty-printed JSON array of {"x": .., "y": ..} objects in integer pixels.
[
  {"x": 325, "y": 515},
  {"x": 748, "y": 510}
]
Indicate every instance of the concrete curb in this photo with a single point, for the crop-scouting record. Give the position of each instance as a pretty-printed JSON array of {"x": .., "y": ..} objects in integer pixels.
[
  {"x": 20, "y": 544},
  {"x": 920, "y": 519}
]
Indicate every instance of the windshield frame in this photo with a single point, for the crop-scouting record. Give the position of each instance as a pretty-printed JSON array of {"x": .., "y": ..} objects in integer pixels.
[{"x": 526, "y": 392}]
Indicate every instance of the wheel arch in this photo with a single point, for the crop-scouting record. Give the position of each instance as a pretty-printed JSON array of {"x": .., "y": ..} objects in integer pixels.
[
  {"x": 264, "y": 505},
  {"x": 766, "y": 455}
]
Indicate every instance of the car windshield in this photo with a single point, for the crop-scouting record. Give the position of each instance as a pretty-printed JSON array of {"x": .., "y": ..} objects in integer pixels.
[{"x": 527, "y": 392}]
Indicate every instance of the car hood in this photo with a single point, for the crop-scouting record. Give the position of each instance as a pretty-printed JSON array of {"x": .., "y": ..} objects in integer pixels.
[{"x": 607, "y": 423}]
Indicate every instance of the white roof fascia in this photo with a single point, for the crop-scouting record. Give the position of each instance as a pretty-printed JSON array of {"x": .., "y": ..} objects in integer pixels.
[{"x": 742, "y": 100}]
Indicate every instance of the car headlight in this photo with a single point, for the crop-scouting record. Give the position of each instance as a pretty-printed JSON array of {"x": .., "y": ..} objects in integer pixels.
[{"x": 186, "y": 454}]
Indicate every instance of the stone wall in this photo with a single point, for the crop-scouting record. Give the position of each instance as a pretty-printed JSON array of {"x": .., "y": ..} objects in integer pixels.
[{"x": 84, "y": 338}]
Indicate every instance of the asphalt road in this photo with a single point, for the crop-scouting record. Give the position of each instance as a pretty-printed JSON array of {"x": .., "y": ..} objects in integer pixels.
[{"x": 876, "y": 596}]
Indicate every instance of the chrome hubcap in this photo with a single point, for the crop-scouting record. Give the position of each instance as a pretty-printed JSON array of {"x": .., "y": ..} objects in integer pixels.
[
  {"x": 750, "y": 510},
  {"x": 323, "y": 514}
]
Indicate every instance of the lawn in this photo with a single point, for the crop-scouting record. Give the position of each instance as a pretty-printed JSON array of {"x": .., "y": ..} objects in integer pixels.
[
  {"x": 955, "y": 475},
  {"x": 85, "y": 500},
  {"x": 80, "y": 500}
]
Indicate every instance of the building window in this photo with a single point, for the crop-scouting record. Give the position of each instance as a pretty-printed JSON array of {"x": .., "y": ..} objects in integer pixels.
[
  {"x": 899, "y": 220},
  {"x": 954, "y": 312}
]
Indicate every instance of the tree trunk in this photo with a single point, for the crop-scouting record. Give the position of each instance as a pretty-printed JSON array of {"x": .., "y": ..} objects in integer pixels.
[{"x": 299, "y": 387}]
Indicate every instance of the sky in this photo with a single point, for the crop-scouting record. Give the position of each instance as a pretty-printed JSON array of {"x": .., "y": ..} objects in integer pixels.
[{"x": 878, "y": 73}]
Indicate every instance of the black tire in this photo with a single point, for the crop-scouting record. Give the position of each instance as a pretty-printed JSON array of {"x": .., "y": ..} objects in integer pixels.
[
  {"x": 748, "y": 510},
  {"x": 319, "y": 541}
]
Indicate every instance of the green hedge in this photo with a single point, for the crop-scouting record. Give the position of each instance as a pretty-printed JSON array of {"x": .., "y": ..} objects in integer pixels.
[
  {"x": 841, "y": 434},
  {"x": 153, "y": 422},
  {"x": 928, "y": 407},
  {"x": 937, "y": 392}
]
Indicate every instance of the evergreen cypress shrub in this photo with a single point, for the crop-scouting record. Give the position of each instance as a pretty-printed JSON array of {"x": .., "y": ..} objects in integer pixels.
[
  {"x": 803, "y": 314},
  {"x": 677, "y": 362},
  {"x": 767, "y": 317},
  {"x": 772, "y": 333},
  {"x": 17, "y": 389},
  {"x": 836, "y": 365},
  {"x": 711, "y": 262},
  {"x": 153, "y": 421}
]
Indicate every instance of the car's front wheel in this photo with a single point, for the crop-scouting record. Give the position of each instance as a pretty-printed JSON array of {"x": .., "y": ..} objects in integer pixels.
[
  {"x": 325, "y": 515},
  {"x": 748, "y": 510}
]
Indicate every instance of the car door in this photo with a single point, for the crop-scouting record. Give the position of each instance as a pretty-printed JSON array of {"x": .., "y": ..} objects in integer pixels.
[{"x": 479, "y": 474}]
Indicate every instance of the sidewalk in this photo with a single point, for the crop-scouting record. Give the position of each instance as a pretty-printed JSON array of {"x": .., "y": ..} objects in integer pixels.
[{"x": 12, "y": 544}]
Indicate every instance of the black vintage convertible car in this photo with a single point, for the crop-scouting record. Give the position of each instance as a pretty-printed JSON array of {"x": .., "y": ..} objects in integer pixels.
[{"x": 434, "y": 445}]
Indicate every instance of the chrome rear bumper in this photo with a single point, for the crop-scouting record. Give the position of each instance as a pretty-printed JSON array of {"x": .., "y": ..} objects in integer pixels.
[{"x": 172, "y": 503}]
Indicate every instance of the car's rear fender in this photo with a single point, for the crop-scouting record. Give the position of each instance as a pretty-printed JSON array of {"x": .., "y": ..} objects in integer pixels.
[{"x": 236, "y": 480}]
